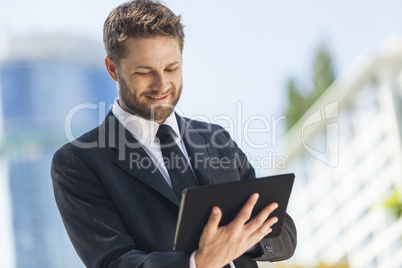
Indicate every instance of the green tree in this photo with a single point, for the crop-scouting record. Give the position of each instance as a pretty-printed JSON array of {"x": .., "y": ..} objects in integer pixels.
[
  {"x": 296, "y": 107},
  {"x": 322, "y": 78},
  {"x": 323, "y": 72}
]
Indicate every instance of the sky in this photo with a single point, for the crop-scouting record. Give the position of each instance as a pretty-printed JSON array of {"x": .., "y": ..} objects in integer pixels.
[{"x": 237, "y": 54}]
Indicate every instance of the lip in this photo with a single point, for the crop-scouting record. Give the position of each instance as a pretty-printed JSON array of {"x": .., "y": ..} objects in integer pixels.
[{"x": 158, "y": 98}]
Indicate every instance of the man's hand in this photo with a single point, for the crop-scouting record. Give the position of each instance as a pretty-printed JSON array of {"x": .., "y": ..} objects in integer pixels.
[{"x": 220, "y": 245}]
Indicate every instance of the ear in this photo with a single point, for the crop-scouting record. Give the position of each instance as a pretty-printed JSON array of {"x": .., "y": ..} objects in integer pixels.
[{"x": 111, "y": 68}]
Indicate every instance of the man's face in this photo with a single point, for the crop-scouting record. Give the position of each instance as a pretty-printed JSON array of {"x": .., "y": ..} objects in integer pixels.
[{"x": 149, "y": 77}]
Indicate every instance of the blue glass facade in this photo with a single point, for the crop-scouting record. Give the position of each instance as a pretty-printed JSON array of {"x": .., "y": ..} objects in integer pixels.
[{"x": 37, "y": 103}]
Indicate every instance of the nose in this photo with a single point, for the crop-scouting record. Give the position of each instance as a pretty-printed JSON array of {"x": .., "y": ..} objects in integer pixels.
[{"x": 160, "y": 83}]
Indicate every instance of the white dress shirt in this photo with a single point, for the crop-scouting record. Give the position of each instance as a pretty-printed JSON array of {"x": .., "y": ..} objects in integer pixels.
[{"x": 145, "y": 132}]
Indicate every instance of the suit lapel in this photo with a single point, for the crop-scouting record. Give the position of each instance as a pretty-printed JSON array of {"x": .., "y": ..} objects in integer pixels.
[
  {"x": 197, "y": 151},
  {"x": 132, "y": 158}
]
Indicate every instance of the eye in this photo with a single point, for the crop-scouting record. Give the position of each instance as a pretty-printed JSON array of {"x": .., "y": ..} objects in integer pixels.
[
  {"x": 142, "y": 73},
  {"x": 172, "y": 69}
]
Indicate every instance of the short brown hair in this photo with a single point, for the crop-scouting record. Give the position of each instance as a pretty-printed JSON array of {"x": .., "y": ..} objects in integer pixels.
[{"x": 139, "y": 19}]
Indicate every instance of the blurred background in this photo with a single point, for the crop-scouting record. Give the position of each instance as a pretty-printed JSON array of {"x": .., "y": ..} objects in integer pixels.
[{"x": 311, "y": 87}]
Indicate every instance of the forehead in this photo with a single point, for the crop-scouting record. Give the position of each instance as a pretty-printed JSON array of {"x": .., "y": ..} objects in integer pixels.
[{"x": 153, "y": 52}]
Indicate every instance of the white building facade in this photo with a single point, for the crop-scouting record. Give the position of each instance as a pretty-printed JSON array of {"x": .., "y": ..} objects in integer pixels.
[{"x": 346, "y": 153}]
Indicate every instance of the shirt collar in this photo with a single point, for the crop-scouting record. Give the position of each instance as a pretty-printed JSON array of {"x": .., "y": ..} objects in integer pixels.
[{"x": 143, "y": 130}]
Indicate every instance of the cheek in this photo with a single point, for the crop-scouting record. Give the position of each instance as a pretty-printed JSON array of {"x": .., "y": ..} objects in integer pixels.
[
  {"x": 138, "y": 86},
  {"x": 177, "y": 79}
]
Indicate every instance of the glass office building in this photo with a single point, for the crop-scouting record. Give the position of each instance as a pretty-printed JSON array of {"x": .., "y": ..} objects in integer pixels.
[{"x": 52, "y": 90}]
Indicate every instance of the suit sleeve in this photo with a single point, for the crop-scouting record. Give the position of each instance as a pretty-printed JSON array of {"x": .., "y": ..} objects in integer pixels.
[
  {"x": 94, "y": 226},
  {"x": 269, "y": 249}
]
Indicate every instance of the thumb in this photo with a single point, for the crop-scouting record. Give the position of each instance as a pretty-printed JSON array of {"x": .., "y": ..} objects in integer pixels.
[{"x": 214, "y": 219}]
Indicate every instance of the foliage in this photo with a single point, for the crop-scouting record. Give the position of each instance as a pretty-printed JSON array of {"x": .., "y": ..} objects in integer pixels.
[
  {"x": 393, "y": 203},
  {"x": 319, "y": 265},
  {"x": 323, "y": 71},
  {"x": 297, "y": 104},
  {"x": 323, "y": 76}
]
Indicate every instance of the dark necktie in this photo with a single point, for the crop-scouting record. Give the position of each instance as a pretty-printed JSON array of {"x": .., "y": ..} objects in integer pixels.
[{"x": 176, "y": 164}]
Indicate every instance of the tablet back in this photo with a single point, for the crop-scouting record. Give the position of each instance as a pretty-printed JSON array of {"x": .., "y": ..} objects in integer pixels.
[{"x": 197, "y": 202}]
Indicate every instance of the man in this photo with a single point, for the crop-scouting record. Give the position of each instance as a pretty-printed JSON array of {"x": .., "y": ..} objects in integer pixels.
[{"x": 117, "y": 192}]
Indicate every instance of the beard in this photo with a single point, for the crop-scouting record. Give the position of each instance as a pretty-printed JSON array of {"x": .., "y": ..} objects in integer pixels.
[{"x": 153, "y": 112}]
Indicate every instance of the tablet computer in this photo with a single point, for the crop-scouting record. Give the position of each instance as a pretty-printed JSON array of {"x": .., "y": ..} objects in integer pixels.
[{"x": 197, "y": 202}]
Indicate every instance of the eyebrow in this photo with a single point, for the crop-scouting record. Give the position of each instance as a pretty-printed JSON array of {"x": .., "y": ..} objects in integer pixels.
[{"x": 149, "y": 68}]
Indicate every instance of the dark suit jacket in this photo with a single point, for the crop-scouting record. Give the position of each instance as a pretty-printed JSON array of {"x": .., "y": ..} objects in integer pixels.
[{"x": 120, "y": 212}]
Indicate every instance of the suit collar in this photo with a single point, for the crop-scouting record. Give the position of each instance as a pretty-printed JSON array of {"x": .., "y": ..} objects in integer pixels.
[
  {"x": 132, "y": 158},
  {"x": 142, "y": 129},
  {"x": 196, "y": 147},
  {"x": 130, "y": 152}
]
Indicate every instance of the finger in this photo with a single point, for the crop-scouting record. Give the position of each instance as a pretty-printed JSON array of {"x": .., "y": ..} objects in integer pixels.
[
  {"x": 263, "y": 231},
  {"x": 245, "y": 213},
  {"x": 264, "y": 214},
  {"x": 261, "y": 218},
  {"x": 266, "y": 228},
  {"x": 214, "y": 219},
  {"x": 270, "y": 222}
]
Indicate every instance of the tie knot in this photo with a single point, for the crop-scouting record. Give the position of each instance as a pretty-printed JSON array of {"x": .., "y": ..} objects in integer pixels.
[{"x": 163, "y": 132}]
